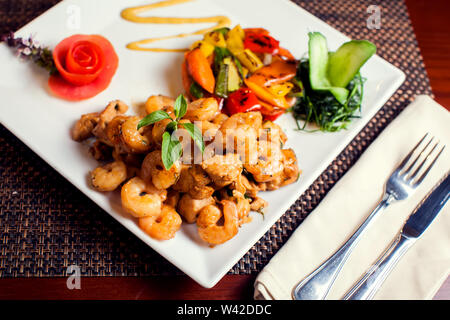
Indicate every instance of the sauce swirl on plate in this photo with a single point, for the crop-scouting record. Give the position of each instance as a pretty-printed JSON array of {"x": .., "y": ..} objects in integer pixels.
[{"x": 133, "y": 14}]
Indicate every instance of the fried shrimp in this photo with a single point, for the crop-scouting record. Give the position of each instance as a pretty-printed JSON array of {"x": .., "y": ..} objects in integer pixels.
[
  {"x": 219, "y": 119},
  {"x": 84, "y": 126},
  {"x": 153, "y": 169},
  {"x": 112, "y": 131},
  {"x": 135, "y": 140},
  {"x": 239, "y": 134},
  {"x": 113, "y": 109},
  {"x": 164, "y": 226},
  {"x": 273, "y": 133},
  {"x": 142, "y": 199},
  {"x": 209, "y": 130},
  {"x": 223, "y": 169},
  {"x": 207, "y": 223},
  {"x": 158, "y": 130},
  {"x": 242, "y": 205},
  {"x": 202, "y": 109},
  {"x": 290, "y": 171},
  {"x": 109, "y": 176},
  {"x": 215, "y": 187},
  {"x": 195, "y": 181},
  {"x": 190, "y": 207},
  {"x": 159, "y": 102},
  {"x": 269, "y": 164}
]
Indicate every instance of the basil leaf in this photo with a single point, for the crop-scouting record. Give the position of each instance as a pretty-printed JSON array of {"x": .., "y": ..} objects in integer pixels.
[
  {"x": 196, "y": 134},
  {"x": 171, "y": 126},
  {"x": 180, "y": 107},
  {"x": 152, "y": 118},
  {"x": 171, "y": 150}
]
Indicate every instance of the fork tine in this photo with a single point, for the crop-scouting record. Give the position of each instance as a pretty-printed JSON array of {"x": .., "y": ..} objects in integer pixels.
[
  {"x": 406, "y": 159},
  {"x": 411, "y": 177},
  {"x": 429, "y": 168},
  {"x": 418, "y": 157}
]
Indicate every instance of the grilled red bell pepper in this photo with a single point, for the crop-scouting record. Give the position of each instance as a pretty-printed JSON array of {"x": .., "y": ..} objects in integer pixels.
[
  {"x": 270, "y": 112},
  {"x": 261, "y": 43},
  {"x": 242, "y": 100}
]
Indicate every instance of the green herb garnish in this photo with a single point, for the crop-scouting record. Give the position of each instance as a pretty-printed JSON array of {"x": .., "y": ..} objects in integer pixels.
[
  {"x": 328, "y": 85},
  {"x": 30, "y": 49},
  {"x": 322, "y": 108},
  {"x": 171, "y": 149}
]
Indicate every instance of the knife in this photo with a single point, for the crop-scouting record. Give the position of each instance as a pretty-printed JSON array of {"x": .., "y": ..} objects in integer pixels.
[{"x": 414, "y": 227}]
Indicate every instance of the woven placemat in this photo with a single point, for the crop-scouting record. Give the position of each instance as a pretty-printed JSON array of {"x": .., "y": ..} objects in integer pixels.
[{"x": 46, "y": 224}]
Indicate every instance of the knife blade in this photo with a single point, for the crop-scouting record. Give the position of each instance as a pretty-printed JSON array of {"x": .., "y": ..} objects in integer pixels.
[
  {"x": 425, "y": 213},
  {"x": 417, "y": 223}
]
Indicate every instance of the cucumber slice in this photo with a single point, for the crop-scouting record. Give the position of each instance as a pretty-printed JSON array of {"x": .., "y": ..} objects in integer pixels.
[
  {"x": 344, "y": 64},
  {"x": 318, "y": 60},
  {"x": 318, "y": 67}
]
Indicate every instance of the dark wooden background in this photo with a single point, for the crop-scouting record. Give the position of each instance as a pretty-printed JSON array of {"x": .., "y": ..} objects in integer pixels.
[{"x": 431, "y": 23}]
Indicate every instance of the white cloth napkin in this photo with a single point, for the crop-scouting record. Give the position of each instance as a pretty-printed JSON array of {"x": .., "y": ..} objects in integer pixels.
[{"x": 424, "y": 267}]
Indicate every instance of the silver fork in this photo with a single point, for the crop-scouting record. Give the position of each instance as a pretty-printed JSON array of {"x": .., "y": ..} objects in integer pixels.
[{"x": 400, "y": 185}]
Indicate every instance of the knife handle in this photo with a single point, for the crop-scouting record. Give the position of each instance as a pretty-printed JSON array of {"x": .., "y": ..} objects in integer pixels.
[
  {"x": 317, "y": 284},
  {"x": 372, "y": 280}
]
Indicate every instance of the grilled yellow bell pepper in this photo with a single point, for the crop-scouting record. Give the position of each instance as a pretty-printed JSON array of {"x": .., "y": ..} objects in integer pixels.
[
  {"x": 249, "y": 60},
  {"x": 267, "y": 96},
  {"x": 204, "y": 46},
  {"x": 216, "y": 39},
  {"x": 235, "y": 40},
  {"x": 282, "y": 89}
]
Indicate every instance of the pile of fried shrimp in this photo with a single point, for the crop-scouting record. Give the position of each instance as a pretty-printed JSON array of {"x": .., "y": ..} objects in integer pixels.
[{"x": 215, "y": 189}]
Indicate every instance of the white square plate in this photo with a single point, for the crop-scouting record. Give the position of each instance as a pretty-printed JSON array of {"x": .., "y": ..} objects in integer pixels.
[{"x": 43, "y": 122}]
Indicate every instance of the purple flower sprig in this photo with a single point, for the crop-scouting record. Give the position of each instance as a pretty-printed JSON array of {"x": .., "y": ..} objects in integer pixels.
[{"x": 30, "y": 49}]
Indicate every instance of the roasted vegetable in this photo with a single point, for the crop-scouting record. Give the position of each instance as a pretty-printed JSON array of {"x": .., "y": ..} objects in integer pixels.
[
  {"x": 249, "y": 60},
  {"x": 279, "y": 71},
  {"x": 200, "y": 70},
  {"x": 282, "y": 89},
  {"x": 235, "y": 40},
  {"x": 234, "y": 80},
  {"x": 196, "y": 91},
  {"x": 261, "y": 43},
  {"x": 270, "y": 112},
  {"x": 286, "y": 54},
  {"x": 185, "y": 77},
  {"x": 204, "y": 46},
  {"x": 264, "y": 94},
  {"x": 257, "y": 31},
  {"x": 221, "y": 89},
  {"x": 215, "y": 38},
  {"x": 242, "y": 100}
]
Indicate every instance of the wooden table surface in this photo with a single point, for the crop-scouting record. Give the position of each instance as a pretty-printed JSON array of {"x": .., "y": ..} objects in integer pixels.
[{"x": 431, "y": 25}]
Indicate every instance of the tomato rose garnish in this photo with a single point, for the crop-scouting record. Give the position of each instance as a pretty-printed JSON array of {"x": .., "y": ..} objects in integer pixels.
[{"x": 85, "y": 64}]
